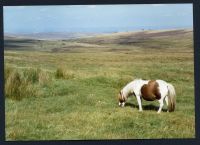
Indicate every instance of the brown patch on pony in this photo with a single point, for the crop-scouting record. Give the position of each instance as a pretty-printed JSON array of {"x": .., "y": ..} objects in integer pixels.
[
  {"x": 150, "y": 91},
  {"x": 120, "y": 98}
]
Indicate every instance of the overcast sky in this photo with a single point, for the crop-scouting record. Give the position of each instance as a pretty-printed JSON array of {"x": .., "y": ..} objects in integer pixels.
[{"x": 96, "y": 18}]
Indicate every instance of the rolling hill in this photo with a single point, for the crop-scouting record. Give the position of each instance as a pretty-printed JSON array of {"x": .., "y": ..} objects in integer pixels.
[{"x": 154, "y": 39}]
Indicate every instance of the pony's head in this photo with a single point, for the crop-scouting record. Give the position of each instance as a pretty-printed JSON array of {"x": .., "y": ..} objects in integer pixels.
[{"x": 121, "y": 99}]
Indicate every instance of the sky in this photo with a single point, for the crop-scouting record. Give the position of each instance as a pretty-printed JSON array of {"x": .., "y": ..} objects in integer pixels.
[{"x": 96, "y": 18}]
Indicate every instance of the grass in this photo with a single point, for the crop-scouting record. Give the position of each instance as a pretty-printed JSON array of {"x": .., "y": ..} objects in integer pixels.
[
  {"x": 20, "y": 84},
  {"x": 75, "y": 92}
]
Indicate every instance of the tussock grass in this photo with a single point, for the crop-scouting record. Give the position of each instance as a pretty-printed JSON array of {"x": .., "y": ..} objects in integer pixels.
[
  {"x": 44, "y": 78},
  {"x": 22, "y": 83},
  {"x": 12, "y": 86},
  {"x": 31, "y": 74},
  {"x": 59, "y": 73},
  {"x": 7, "y": 71},
  {"x": 17, "y": 87},
  {"x": 62, "y": 73}
]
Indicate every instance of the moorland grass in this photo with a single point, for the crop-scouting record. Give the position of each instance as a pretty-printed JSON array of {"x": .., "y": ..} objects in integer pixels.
[{"x": 76, "y": 93}]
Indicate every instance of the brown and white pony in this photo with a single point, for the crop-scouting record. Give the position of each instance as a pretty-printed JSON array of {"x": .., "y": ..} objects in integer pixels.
[{"x": 149, "y": 90}]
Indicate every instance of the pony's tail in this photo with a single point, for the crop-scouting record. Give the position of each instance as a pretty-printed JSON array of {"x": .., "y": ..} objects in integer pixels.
[{"x": 171, "y": 98}]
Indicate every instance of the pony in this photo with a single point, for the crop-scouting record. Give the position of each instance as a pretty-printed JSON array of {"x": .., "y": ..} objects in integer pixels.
[{"x": 149, "y": 90}]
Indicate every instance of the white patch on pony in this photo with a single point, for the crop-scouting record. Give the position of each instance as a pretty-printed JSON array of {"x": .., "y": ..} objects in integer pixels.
[{"x": 134, "y": 87}]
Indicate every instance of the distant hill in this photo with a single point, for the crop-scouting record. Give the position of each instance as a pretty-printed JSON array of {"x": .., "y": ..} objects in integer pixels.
[
  {"x": 135, "y": 37},
  {"x": 181, "y": 39},
  {"x": 50, "y": 36}
]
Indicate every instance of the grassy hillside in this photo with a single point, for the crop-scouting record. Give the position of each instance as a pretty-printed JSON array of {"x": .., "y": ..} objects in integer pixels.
[{"x": 67, "y": 89}]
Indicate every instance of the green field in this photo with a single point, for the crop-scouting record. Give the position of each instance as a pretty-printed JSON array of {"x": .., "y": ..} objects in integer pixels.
[{"x": 67, "y": 89}]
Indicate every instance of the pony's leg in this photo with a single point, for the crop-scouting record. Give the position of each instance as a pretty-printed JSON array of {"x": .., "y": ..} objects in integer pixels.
[
  {"x": 166, "y": 100},
  {"x": 161, "y": 104},
  {"x": 123, "y": 104},
  {"x": 139, "y": 102}
]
